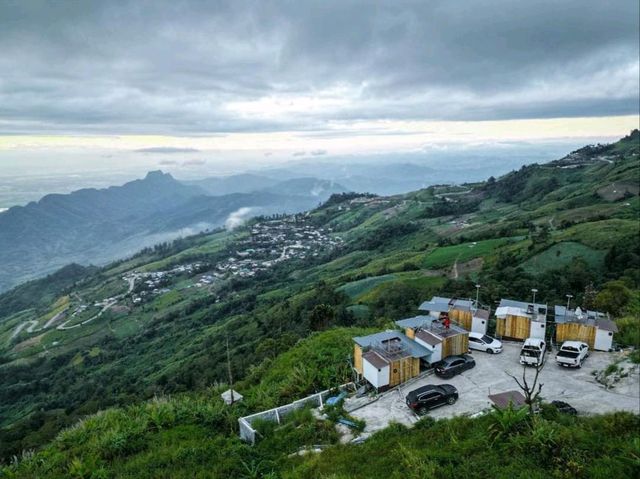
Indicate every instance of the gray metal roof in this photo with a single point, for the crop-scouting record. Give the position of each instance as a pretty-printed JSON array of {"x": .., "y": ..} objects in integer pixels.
[
  {"x": 538, "y": 309},
  {"x": 520, "y": 304},
  {"x": 376, "y": 340},
  {"x": 442, "y": 304},
  {"x": 607, "y": 324},
  {"x": 431, "y": 324},
  {"x": 481, "y": 313},
  {"x": 428, "y": 337},
  {"x": 416, "y": 322},
  {"x": 562, "y": 315},
  {"x": 375, "y": 359},
  {"x": 502, "y": 400}
]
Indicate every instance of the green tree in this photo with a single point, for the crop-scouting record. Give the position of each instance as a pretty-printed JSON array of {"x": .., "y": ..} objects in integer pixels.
[{"x": 613, "y": 297}]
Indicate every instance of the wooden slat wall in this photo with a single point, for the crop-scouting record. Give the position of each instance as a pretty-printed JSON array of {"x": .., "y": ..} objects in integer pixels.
[
  {"x": 458, "y": 344},
  {"x": 410, "y": 332},
  {"x": 463, "y": 318},
  {"x": 576, "y": 332},
  {"x": 500, "y": 326},
  {"x": 516, "y": 327},
  {"x": 403, "y": 370},
  {"x": 357, "y": 358}
]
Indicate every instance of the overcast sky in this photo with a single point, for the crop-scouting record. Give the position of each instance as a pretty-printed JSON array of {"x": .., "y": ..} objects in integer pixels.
[{"x": 332, "y": 76}]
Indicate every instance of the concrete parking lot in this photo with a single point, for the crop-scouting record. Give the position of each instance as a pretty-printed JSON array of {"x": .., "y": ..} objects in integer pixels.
[{"x": 578, "y": 387}]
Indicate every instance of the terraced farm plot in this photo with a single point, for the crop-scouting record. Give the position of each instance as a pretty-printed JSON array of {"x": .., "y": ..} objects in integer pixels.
[
  {"x": 360, "y": 287},
  {"x": 445, "y": 256},
  {"x": 561, "y": 254}
]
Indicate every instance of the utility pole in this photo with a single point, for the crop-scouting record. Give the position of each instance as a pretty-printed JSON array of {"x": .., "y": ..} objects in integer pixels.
[{"x": 229, "y": 371}]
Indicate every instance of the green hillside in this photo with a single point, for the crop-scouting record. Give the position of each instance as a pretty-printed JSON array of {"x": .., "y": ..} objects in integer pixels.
[{"x": 94, "y": 341}]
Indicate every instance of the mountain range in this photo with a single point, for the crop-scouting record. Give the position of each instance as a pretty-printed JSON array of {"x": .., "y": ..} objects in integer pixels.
[
  {"x": 85, "y": 340},
  {"x": 99, "y": 225}
]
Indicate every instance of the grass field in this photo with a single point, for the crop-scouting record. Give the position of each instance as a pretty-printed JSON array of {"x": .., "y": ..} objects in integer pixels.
[
  {"x": 357, "y": 288},
  {"x": 561, "y": 254},
  {"x": 601, "y": 234},
  {"x": 447, "y": 255}
]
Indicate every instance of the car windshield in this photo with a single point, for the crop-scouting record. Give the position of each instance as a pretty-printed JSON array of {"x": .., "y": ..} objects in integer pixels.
[{"x": 487, "y": 339}]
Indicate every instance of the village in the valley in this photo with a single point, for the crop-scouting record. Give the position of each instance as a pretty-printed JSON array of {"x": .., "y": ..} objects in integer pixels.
[{"x": 269, "y": 242}]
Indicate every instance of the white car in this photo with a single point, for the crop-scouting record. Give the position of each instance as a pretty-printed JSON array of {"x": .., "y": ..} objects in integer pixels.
[
  {"x": 482, "y": 342},
  {"x": 572, "y": 354},
  {"x": 532, "y": 352}
]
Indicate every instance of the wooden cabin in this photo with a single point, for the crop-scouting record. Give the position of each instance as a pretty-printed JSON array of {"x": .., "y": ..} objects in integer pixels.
[
  {"x": 461, "y": 311},
  {"x": 519, "y": 320},
  {"x": 591, "y": 327},
  {"x": 431, "y": 333},
  {"x": 388, "y": 358}
]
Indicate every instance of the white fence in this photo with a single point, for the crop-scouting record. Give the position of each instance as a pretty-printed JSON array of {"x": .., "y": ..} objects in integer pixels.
[{"x": 248, "y": 433}]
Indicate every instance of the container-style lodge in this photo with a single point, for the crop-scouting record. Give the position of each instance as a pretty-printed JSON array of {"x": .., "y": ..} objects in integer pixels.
[
  {"x": 461, "y": 311},
  {"x": 520, "y": 320},
  {"x": 441, "y": 340},
  {"x": 389, "y": 358},
  {"x": 592, "y": 327}
]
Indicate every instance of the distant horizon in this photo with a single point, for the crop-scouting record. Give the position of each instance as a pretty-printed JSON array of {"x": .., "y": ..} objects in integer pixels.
[
  {"x": 102, "y": 86},
  {"x": 22, "y": 185}
]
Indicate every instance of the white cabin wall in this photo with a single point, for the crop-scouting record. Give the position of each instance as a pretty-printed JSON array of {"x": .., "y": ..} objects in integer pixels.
[
  {"x": 377, "y": 378},
  {"x": 537, "y": 330},
  {"x": 603, "y": 341},
  {"x": 479, "y": 325}
]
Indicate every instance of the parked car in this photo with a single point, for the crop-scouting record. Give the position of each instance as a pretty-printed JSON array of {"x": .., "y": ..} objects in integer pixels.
[
  {"x": 431, "y": 396},
  {"x": 572, "y": 354},
  {"x": 565, "y": 408},
  {"x": 452, "y": 365},
  {"x": 482, "y": 342},
  {"x": 532, "y": 352}
]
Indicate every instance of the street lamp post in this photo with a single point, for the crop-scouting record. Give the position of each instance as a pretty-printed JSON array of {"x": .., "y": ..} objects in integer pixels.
[
  {"x": 477, "y": 294},
  {"x": 569, "y": 296},
  {"x": 534, "y": 291}
]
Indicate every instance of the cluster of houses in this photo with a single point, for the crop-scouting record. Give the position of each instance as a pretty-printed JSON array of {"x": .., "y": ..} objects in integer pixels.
[
  {"x": 389, "y": 358},
  {"x": 155, "y": 281},
  {"x": 274, "y": 241}
]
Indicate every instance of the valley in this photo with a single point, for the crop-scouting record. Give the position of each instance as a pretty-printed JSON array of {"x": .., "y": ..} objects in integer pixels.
[{"x": 288, "y": 292}]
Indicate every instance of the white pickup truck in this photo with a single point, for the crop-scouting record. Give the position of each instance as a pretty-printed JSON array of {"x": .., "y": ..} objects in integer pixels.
[
  {"x": 532, "y": 352},
  {"x": 572, "y": 354}
]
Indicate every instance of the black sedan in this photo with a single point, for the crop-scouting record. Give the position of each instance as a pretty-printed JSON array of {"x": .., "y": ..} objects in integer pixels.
[
  {"x": 452, "y": 365},
  {"x": 430, "y": 396}
]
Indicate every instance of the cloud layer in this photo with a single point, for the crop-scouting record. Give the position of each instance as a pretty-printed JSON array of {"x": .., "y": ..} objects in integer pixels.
[{"x": 201, "y": 68}]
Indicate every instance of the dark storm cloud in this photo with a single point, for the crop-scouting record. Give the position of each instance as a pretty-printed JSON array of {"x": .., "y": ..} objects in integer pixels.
[{"x": 196, "y": 67}]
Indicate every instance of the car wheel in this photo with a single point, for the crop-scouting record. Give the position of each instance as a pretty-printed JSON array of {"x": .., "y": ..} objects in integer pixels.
[
  {"x": 451, "y": 401},
  {"x": 490, "y": 351},
  {"x": 422, "y": 411}
]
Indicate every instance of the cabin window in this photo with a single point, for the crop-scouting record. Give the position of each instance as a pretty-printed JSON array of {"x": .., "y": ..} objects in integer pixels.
[
  {"x": 542, "y": 325},
  {"x": 610, "y": 333},
  {"x": 482, "y": 322},
  {"x": 395, "y": 370}
]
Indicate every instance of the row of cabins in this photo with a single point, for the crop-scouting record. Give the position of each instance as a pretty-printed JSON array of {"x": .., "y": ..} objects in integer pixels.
[
  {"x": 519, "y": 320},
  {"x": 389, "y": 358}
]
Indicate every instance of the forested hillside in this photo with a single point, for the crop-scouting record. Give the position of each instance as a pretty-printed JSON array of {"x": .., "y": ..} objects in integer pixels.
[{"x": 567, "y": 227}]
